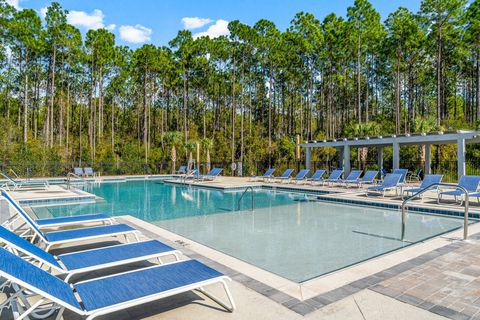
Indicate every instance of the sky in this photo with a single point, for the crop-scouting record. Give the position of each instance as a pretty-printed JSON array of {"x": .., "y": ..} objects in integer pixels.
[{"x": 135, "y": 22}]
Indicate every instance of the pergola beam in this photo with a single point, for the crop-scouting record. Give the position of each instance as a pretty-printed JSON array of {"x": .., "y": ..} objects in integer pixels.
[{"x": 460, "y": 138}]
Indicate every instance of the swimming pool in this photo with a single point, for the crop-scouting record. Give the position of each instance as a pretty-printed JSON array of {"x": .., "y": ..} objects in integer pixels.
[{"x": 285, "y": 234}]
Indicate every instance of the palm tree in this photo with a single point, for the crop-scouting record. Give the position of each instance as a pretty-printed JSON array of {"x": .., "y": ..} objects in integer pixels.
[
  {"x": 173, "y": 139},
  {"x": 189, "y": 147}
]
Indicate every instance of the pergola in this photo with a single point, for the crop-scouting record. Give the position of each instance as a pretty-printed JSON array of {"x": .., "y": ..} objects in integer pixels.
[{"x": 460, "y": 138}]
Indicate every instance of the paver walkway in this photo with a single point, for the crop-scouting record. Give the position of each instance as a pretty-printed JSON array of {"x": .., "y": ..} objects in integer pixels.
[{"x": 448, "y": 285}]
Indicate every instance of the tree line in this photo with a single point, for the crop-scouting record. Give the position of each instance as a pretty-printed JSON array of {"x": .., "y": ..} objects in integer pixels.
[{"x": 244, "y": 97}]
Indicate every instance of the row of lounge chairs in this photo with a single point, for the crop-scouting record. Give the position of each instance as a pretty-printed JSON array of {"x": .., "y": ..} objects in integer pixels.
[
  {"x": 318, "y": 177},
  {"x": 391, "y": 181},
  {"x": 194, "y": 174},
  {"x": 24, "y": 249},
  {"x": 84, "y": 172}
]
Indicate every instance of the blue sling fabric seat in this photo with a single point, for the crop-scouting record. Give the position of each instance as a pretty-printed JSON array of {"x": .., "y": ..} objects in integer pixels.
[
  {"x": 68, "y": 236},
  {"x": 285, "y": 175},
  {"x": 88, "y": 260},
  {"x": 267, "y": 175},
  {"x": 107, "y": 294},
  {"x": 301, "y": 175},
  {"x": 390, "y": 182},
  {"x": 428, "y": 180},
  {"x": 403, "y": 173},
  {"x": 352, "y": 177},
  {"x": 73, "y": 220},
  {"x": 470, "y": 183},
  {"x": 317, "y": 175},
  {"x": 368, "y": 178},
  {"x": 334, "y": 176}
]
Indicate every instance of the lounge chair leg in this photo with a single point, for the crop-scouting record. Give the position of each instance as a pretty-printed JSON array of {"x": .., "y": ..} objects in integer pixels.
[
  {"x": 136, "y": 237},
  {"x": 177, "y": 258},
  {"x": 30, "y": 310},
  {"x": 60, "y": 313},
  {"x": 214, "y": 298}
]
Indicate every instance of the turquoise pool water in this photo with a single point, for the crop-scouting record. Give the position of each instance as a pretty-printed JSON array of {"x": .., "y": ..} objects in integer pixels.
[{"x": 286, "y": 235}]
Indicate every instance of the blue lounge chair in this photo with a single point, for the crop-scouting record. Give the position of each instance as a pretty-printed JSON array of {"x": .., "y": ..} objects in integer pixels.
[
  {"x": 334, "y": 176},
  {"x": 301, "y": 175},
  {"x": 470, "y": 183},
  {"x": 285, "y": 176},
  {"x": 212, "y": 175},
  {"x": 191, "y": 174},
  {"x": 390, "y": 182},
  {"x": 427, "y": 182},
  {"x": 368, "y": 178},
  {"x": 182, "y": 170},
  {"x": 104, "y": 295},
  {"x": 267, "y": 175},
  {"x": 88, "y": 260},
  {"x": 317, "y": 176},
  {"x": 403, "y": 173},
  {"x": 352, "y": 177},
  {"x": 88, "y": 172},
  {"x": 80, "y": 220},
  {"x": 15, "y": 184},
  {"x": 53, "y": 238},
  {"x": 78, "y": 172}
]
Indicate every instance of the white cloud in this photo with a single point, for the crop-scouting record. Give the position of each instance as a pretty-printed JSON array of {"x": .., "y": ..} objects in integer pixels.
[
  {"x": 195, "y": 22},
  {"x": 135, "y": 34},
  {"x": 111, "y": 27},
  {"x": 14, "y": 3},
  {"x": 93, "y": 20},
  {"x": 43, "y": 12},
  {"x": 220, "y": 28}
]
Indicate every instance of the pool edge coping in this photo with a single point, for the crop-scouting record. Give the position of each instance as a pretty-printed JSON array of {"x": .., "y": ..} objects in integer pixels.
[{"x": 448, "y": 243}]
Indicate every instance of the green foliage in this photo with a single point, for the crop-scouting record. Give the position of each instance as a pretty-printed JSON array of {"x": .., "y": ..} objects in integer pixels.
[{"x": 67, "y": 100}]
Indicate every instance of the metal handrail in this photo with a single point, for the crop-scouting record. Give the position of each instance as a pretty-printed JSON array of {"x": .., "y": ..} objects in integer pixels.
[
  {"x": 70, "y": 175},
  {"x": 465, "y": 219},
  {"x": 239, "y": 203}
]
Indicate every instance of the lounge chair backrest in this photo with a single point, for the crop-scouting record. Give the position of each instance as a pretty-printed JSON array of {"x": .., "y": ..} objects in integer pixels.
[
  {"x": 88, "y": 171},
  {"x": 430, "y": 179},
  {"x": 469, "y": 182},
  {"x": 318, "y": 174},
  {"x": 391, "y": 180},
  {"x": 215, "y": 172},
  {"x": 182, "y": 169},
  {"x": 402, "y": 172},
  {"x": 287, "y": 173},
  {"x": 28, "y": 248},
  {"x": 78, "y": 171},
  {"x": 369, "y": 176},
  {"x": 268, "y": 173},
  {"x": 22, "y": 212},
  {"x": 37, "y": 280},
  {"x": 354, "y": 175},
  {"x": 302, "y": 174},
  {"x": 336, "y": 174}
]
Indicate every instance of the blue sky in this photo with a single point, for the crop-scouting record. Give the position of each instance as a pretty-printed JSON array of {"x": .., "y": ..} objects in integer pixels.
[{"x": 158, "y": 21}]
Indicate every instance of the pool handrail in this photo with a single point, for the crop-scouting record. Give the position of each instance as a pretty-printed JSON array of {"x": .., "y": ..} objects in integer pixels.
[{"x": 457, "y": 187}]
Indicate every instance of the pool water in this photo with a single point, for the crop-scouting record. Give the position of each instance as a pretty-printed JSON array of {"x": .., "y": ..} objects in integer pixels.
[{"x": 285, "y": 234}]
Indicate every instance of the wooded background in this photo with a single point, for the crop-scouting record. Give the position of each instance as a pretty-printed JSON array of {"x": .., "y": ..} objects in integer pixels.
[{"x": 68, "y": 100}]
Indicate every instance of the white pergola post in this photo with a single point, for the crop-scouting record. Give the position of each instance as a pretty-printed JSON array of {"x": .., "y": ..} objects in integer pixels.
[
  {"x": 461, "y": 157},
  {"x": 396, "y": 155},
  {"x": 380, "y": 158},
  {"x": 428, "y": 159},
  {"x": 346, "y": 160},
  {"x": 308, "y": 158}
]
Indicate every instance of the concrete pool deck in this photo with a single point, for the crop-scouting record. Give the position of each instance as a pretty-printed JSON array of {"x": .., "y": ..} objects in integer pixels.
[{"x": 435, "y": 279}]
